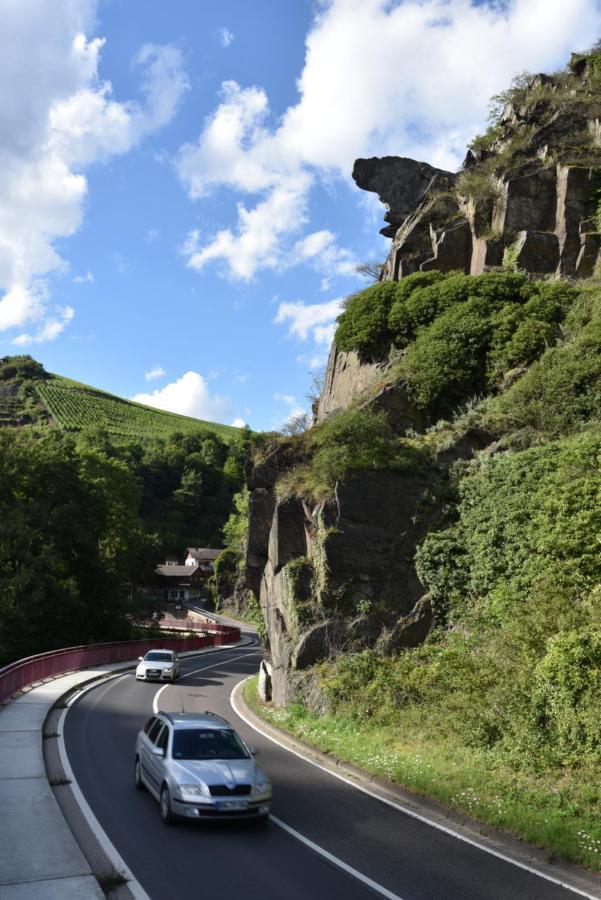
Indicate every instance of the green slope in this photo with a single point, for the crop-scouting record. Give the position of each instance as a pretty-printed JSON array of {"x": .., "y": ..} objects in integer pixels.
[{"x": 74, "y": 406}]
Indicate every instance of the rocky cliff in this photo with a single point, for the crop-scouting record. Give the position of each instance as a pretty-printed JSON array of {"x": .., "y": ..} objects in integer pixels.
[
  {"x": 527, "y": 197},
  {"x": 338, "y": 572}
]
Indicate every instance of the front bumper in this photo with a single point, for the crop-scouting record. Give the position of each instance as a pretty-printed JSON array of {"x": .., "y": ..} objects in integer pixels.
[
  {"x": 222, "y": 809},
  {"x": 155, "y": 676}
]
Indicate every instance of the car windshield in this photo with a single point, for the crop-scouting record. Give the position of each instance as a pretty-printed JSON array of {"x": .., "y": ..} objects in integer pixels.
[
  {"x": 157, "y": 656},
  {"x": 205, "y": 743}
]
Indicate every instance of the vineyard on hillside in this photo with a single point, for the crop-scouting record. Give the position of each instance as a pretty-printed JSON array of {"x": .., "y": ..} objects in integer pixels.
[{"x": 74, "y": 406}]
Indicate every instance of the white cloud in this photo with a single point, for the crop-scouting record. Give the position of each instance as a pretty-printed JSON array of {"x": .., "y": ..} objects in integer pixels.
[
  {"x": 54, "y": 322},
  {"x": 293, "y": 410},
  {"x": 239, "y": 422},
  {"x": 242, "y": 378},
  {"x": 314, "y": 361},
  {"x": 380, "y": 77},
  {"x": 288, "y": 399},
  {"x": 88, "y": 278},
  {"x": 56, "y": 118},
  {"x": 310, "y": 319},
  {"x": 153, "y": 374},
  {"x": 152, "y": 235},
  {"x": 189, "y": 396},
  {"x": 225, "y": 36}
]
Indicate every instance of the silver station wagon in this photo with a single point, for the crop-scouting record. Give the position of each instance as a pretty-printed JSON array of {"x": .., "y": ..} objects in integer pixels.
[{"x": 197, "y": 767}]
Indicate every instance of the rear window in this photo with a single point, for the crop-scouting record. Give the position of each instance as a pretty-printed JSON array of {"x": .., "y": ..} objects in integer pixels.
[
  {"x": 157, "y": 656},
  {"x": 207, "y": 743}
]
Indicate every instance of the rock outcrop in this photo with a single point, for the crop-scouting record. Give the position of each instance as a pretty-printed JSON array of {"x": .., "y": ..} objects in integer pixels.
[
  {"x": 530, "y": 200},
  {"x": 339, "y": 573}
]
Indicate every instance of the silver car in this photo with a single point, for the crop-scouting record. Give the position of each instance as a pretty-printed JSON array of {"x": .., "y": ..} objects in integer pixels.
[
  {"x": 197, "y": 767},
  {"x": 158, "y": 665}
]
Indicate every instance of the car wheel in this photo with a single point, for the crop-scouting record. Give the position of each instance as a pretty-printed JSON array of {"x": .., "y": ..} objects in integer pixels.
[
  {"x": 165, "y": 804},
  {"x": 139, "y": 784}
]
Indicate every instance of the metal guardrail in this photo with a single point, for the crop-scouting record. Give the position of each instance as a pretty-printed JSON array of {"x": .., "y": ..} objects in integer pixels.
[{"x": 24, "y": 672}]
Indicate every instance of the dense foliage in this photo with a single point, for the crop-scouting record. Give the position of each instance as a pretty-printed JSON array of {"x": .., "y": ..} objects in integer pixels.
[
  {"x": 84, "y": 521},
  {"x": 459, "y": 334},
  {"x": 71, "y": 544},
  {"x": 509, "y": 679}
]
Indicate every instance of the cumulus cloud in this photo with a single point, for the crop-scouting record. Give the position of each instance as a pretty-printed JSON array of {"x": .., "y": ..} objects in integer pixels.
[
  {"x": 314, "y": 362},
  {"x": 189, "y": 396},
  {"x": 225, "y": 36},
  {"x": 56, "y": 118},
  {"x": 153, "y": 374},
  {"x": 316, "y": 320},
  {"x": 88, "y": 278},
  {"x": 53, "y": 322},
  {"x": 239, "y": 422},
  {"x": 379, "y": 77}
]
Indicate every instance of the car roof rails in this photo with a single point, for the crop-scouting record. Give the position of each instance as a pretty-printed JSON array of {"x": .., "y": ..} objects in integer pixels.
[{"x": 209, "y": 712}]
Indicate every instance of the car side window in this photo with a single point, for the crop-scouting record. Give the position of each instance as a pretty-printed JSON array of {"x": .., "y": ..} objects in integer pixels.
[
  {"x": 163, "y": 739},
  {"x": 154, "y": 730},
  {"x": 149, "y": 724}
]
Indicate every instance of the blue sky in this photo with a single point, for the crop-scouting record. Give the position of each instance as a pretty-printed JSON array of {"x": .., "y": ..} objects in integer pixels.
[{"x": 177, "y": 217}]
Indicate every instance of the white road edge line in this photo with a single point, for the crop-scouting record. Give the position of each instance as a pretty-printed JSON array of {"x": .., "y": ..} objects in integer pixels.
[
  {"x": 409, "y": 812},
  {"x": 101, "y": 836},
  {"x": 155, "y": 702},
  {"x": 335, "y": 861}
]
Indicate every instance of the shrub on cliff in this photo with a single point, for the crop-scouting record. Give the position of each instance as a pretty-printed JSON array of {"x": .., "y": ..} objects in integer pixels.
[
  {"x": 560, "y": 393},
  {"x": 364, "y": 325},
  {"x": 356, "y": 439}
]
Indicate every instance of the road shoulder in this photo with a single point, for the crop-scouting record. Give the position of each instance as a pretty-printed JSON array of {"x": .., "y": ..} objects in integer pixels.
[{"x": 488, "y": 839}]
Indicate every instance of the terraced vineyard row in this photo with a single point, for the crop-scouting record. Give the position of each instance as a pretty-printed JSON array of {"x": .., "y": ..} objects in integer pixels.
[{"x": 75, "y": 406}]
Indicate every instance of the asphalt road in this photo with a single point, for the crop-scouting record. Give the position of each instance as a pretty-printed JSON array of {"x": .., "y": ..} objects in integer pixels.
[{"x": 407, "y": 859}]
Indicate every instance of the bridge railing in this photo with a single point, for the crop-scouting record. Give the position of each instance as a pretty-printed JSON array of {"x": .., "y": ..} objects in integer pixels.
[
  {"x": 24, "y": 672},
  {"x": 173, "y": 623}
]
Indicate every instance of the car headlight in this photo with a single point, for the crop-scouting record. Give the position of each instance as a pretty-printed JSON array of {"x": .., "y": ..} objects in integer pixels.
[
  {"x": 262, "y": 788},
  {"x": 191, "y": 791},
  {"x": 168, "y": 671}
]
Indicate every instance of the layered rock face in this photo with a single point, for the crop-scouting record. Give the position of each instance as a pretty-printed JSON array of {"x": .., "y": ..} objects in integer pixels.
[
  {"x": 336, "y": 574},
  {"x": 531, "y": 200},
  {"x": 339, "y": 574}
]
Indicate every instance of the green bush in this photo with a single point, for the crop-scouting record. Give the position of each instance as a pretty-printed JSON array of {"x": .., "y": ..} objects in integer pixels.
[
  {"x": 363, "y": 326},
  {"x": 356, "y": 439},
  {"x": 444, "y": 364},
  {"x": 568, "y": 693},
  {"x": 560, "y": 392}
]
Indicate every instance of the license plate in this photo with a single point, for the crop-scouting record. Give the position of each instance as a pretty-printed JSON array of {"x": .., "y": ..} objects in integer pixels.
[{"x": 231, "y": 804}]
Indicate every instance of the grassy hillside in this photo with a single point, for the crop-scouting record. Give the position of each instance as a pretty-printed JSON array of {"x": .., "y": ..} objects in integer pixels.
[
  {"x": 29, "y": 395},
  {"x": 74, "y": 406}
]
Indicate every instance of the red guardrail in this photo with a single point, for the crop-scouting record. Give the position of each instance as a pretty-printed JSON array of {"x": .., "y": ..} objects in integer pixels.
[
  {"x": 198, "y": 625},
  {"x": 23, "y": 672}
]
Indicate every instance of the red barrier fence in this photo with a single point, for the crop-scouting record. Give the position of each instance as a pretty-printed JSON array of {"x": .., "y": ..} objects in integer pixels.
[
  {"x": 197, "y": 625},
  {"x": 23, "y": 672}
]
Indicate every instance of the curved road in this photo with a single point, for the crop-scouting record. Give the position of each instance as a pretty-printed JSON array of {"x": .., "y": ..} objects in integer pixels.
[{"x": 388, "y": 853}]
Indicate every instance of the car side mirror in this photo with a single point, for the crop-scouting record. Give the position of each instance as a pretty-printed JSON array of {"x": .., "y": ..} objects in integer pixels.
[
  {"x": 158, "y": 751},
  {"x": 140, "y": 658},
  {"x": 253, "y": 750}
]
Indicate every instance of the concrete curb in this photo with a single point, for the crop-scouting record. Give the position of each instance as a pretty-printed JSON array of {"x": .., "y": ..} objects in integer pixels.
[
  {"x": 488, "y": 839},
  {"x": 46, "y": 854}
]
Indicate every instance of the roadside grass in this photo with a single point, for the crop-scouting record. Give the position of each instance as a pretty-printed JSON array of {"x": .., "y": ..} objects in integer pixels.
[
  {"x": 111, "y": 880},
  {"x": 556, "y": 810}
]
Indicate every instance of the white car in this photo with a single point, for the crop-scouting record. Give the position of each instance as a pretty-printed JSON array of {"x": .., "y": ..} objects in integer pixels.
[{"x": 158, "y": 665}]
